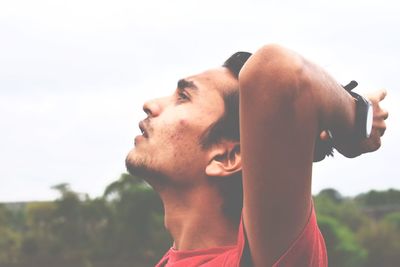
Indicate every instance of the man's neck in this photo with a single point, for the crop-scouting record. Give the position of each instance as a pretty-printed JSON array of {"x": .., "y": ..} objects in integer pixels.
[{"x": 195, "y": 220}]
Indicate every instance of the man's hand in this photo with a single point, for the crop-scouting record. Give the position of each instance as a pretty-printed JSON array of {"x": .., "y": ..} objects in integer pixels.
[
  {"x": 354, "y": 148},
  {"x": 373, "y": 143}
]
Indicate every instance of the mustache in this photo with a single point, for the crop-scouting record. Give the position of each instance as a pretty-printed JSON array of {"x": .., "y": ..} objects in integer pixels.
[{"x": 146, "y": 126}]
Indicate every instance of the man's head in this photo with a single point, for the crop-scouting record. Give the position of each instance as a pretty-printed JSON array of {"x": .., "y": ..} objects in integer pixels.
[
  {"x": 176, "y": 126},
  {"x": 191, "y": 137}
]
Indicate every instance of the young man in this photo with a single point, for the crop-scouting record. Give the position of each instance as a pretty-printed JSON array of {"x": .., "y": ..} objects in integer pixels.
[{"x": 247, "y": 201}]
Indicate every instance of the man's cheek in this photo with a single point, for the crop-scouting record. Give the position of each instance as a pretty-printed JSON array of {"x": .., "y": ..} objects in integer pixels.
[
  {"x": 181, "y": 130},
  {"x": 183, "y": 123}
]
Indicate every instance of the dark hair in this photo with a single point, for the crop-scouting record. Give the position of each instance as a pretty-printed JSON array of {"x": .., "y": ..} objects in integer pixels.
[
  {"x": 235, "y": 62},
  {"x": 227, "y": 127}
]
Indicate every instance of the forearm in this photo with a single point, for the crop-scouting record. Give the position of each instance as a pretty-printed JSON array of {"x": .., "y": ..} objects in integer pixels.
[{"x": 336, "y": 107}]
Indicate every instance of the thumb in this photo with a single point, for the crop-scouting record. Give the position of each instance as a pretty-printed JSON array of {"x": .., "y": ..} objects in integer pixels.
[
  {"x": 325, "y": 135},
  {"x": 382, "y": 94}
]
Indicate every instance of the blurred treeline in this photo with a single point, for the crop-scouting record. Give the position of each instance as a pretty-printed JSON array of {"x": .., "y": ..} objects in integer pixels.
[{"x": 125, "y": 228}]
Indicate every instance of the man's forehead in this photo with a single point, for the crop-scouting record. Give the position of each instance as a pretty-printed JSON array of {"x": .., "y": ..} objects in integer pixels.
[{"x": 219, "y": 79}]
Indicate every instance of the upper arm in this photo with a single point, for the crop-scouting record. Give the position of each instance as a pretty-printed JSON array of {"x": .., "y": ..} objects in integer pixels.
[{"x": 278, "y": 127}]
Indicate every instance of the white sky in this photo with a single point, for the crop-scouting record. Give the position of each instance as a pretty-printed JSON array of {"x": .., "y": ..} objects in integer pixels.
[{"x": 74, "y": 75}]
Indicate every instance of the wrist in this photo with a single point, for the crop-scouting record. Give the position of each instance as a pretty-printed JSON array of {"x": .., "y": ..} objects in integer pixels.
[
  {"x": 362, "y": 127},
  {"x": 360, "y": 124},
  {"x": 363, "y": 113}
]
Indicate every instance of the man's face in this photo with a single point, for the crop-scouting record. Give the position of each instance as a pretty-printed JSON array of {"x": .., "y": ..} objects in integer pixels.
[{"x": 170, "y": 144}]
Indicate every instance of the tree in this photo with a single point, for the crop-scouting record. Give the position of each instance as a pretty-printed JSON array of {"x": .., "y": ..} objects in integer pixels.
[
  {"x": 9, "y": 239},
  {"x": 331, "y": 194},
  {"x": 137, "y": 224},
  {"x": 379, "y": 198},
  {"x": 382, "y": 241},
  {"x": 343, "y": 250}
]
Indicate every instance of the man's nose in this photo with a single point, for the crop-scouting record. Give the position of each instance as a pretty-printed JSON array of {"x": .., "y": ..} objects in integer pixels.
[{"x": 153, "y": 107}]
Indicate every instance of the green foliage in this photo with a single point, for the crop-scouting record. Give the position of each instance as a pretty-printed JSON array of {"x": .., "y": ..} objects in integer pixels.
[
  {"x": 331, "y": 194},
  {"x": 9, "y": 238},
  {"x": 393, "y": 219},
  {"x": 135, "y": 220},
  {"x": 9, "y": 245},
  {"x": 364, "y": 231},
  {"x": 379, "y": 198},
  {"x": 382, "y": 241},
  {"x": 125, "y": 227},
  {"x": 343, "y": 210},
  {"x": 343, "y": 249},
  {"x": 122, "y": 228}
]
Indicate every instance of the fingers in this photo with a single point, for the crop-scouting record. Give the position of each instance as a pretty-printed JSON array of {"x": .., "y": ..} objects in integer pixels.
[
  {"x": 377, "y": 96},
  {"x": 382, "y": 94},
  {"x": 380, "y": 127},
  {"x": 383, "y": 131},
  {"x": 385, "y": 114},
  {"x": 380, "y": 114}
]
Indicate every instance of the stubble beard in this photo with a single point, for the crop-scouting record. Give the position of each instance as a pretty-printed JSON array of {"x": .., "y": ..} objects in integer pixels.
[{"x": 140, "y": 167}]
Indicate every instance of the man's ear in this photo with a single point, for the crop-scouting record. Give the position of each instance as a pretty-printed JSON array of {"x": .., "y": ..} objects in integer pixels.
[{"x": 225, "y": 159}]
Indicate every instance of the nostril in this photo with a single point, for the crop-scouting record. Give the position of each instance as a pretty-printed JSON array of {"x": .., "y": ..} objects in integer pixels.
[
  {"x": 153, "y": 107},
  {"x": 147, "y": 108}
]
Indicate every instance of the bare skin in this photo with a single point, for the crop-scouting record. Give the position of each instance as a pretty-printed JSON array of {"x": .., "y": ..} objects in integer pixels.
[
  {"x": 285, "y": 103},
  {"x": 179, "y": 169}
]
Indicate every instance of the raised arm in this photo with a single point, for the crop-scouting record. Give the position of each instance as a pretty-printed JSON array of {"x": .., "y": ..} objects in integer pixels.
[{"x": 285, "y": 103}]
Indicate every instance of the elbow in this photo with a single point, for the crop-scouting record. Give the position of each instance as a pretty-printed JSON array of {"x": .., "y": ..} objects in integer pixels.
[{"x": 273, "y": 68}]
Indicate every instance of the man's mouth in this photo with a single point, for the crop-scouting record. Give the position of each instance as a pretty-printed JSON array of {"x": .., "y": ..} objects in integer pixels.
[{"x": 143, "y": 129}]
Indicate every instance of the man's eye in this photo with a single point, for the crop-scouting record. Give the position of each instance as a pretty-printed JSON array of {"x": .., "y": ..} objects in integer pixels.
[{"x": 182, "y": 96}]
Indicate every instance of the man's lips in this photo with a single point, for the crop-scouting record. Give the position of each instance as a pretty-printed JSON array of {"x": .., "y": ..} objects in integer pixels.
[{"x": 142, "y": 128}]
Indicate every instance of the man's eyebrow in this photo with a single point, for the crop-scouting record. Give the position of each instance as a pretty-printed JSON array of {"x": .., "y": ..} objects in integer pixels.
[{"x": 182, "y": 84}]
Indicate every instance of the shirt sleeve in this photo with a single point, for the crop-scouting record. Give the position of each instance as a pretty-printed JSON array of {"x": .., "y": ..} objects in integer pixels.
[{"x": 308, "y": 249}]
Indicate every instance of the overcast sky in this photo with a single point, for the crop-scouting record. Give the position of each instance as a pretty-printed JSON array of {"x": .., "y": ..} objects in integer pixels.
[{"x": 74, "y": 75}]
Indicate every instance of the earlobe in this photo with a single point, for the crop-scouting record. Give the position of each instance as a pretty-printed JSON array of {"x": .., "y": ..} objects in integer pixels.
[
  {"x": 214, "y": 169},
  {"x": 225, "y": 161}
]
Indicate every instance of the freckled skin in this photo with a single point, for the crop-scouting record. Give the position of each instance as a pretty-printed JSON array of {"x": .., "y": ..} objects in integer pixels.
[{"x": 172, "y": 153}]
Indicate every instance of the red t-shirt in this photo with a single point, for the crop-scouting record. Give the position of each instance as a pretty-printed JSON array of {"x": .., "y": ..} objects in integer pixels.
[{"x": 308, "y": 250}]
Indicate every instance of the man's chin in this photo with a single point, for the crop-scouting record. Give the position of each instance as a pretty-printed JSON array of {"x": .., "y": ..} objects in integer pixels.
[
  {"x": 135, "y": 168},
  {"x": 139, "y": 168}
]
